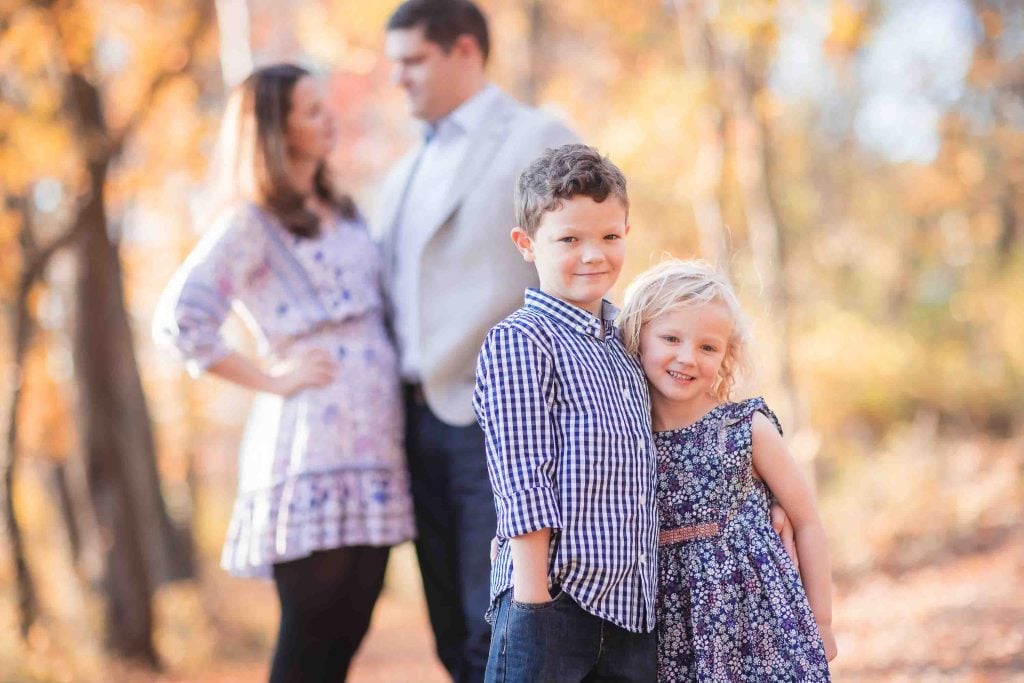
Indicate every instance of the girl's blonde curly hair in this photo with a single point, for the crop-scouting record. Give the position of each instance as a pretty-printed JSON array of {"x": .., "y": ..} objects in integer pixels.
[{"x": 677, "y": 283}]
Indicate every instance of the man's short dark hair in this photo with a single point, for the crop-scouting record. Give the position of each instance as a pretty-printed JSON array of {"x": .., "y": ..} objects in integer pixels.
[
  {"x": 561, "y": 173},
  {"x": 443, "y": 21}
]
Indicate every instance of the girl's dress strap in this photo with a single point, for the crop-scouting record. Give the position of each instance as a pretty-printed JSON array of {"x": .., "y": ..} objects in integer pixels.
[{"x": 744, "y": 411}]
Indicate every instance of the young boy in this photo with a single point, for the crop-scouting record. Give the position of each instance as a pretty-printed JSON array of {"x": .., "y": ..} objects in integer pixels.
[{"x": 566, "y": 413}]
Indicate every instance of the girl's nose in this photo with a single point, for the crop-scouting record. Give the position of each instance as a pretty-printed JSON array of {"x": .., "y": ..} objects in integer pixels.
[{"x": 684, "y": 354}]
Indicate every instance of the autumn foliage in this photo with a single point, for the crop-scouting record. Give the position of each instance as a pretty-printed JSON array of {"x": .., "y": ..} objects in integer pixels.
[{"x": 857, "y": 166}]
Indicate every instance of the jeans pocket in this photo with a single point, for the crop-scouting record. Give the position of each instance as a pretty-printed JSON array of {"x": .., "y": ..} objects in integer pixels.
[{"x": 537, "y": 606}]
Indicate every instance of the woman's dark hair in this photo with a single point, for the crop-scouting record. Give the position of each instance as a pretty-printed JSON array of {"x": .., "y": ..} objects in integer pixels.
[{"x": 263, "y": 102}]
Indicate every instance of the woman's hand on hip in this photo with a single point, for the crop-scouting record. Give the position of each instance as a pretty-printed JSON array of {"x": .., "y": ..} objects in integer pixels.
[{"x": 311, "y": 370}]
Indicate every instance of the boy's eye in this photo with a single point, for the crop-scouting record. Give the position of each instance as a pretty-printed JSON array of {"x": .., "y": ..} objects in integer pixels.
[{"x": 612, "y": 236}]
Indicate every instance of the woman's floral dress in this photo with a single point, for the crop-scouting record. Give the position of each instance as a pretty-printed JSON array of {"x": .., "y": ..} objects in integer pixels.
[
  {"x": 731, "y": 606},
  {"x": 324, "y": 467}
]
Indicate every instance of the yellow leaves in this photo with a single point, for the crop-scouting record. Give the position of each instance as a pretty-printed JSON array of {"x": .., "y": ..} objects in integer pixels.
[
  {"x": 10, "y": 254},
  {"x": 355, "y": 21},
  {"x": 33, "y": 147},
  {"x": 77, "y": 34},
  {"x": 928, "y": 190},
  {"x": 45, "y": 418},
  {"x": 847, "y": 355},
  {"x": 847, "y": 27},
  {"x": 752, "y": 22},
  {"x": 318, "y": 35},
  {"x": 28, "y": 42},
  {"x": 970, "y": 167}
]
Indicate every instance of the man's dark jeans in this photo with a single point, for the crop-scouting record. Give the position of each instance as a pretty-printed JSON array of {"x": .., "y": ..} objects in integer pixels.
[
  {"x": 455, "y": 522},
  {"x": 558, "y": 642}
]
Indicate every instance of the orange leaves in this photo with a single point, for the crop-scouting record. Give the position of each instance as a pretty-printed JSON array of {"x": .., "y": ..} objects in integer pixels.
[
  {"x": 847, "y": 27},
  {"x": 35, "y": 147},
  {"x": 28, "y": 41},
  {"x": 77, "y": 30}
]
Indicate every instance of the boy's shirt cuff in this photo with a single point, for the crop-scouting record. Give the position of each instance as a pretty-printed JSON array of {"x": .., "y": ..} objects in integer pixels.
[{"x": 523, "y": 512}]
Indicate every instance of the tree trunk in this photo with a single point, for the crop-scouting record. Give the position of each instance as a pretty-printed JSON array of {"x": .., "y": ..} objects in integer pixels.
[
  {"x": 108, "y": 436},
  {"x": 537, "y": 59},
  {"x": 28, "y": 606},
  {"x": 141, "y": 547},
  {"x": 752, "y": 150},
  {"x": 699, "y": 52}
]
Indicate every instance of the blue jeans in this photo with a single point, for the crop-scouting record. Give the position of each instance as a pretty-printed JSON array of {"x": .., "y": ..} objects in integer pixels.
[
  {"x": 455, "y": 522},
  {"x": 557, "y": 641}
]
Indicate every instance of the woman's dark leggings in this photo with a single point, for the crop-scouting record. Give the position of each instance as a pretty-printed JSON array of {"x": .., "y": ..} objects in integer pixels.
[{"x": 326, "y": 603}]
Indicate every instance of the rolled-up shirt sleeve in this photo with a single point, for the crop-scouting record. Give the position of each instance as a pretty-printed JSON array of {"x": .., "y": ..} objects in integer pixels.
[
  {"x": 513, "y": 402},
  {"x": 192, "y": 309}
]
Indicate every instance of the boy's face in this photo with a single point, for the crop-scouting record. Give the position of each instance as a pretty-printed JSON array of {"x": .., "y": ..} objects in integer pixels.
[
  {"x": 578, "y": 250},
  {"x": 682, "y": 350}
]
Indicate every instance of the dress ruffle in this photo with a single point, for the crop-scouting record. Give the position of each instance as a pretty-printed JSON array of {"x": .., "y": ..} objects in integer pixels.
[{"x": 317, "y": 511}]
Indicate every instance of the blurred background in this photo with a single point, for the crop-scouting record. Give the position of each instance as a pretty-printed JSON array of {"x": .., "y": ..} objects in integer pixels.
[{"x": 857, "y": 165}]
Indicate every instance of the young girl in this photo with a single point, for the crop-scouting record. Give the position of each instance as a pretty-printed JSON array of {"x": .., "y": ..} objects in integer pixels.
[{"x": 731, "y": 605}]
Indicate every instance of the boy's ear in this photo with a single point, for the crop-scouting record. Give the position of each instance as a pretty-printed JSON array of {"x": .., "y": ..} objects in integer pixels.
[
  {"x": 523, "y": 243},
  {"x": 626, "y": 231}
]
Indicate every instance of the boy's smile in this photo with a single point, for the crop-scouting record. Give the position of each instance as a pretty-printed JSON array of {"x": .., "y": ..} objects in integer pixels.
[
  {"x": 578, "y": 250},
  {"x": 681, "y": 352}
]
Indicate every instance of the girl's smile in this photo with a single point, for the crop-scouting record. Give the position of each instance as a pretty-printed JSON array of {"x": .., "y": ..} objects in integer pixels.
[{"x": 682, "y": 351}]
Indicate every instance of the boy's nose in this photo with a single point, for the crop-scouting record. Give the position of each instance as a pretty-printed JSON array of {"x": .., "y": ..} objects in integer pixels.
[{"x": 592, "y": 254}]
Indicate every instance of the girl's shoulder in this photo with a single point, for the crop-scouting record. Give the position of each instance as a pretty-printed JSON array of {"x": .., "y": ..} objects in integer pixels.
[{"x": 742, "y": 413}]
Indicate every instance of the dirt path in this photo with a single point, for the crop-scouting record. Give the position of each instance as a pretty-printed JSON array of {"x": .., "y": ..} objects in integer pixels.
[{"x": 958, "y": 619}]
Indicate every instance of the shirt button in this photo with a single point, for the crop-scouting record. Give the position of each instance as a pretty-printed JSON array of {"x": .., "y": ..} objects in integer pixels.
[
  {"x": 643, "y": 558},
  {"x": 640, "y": 443}
]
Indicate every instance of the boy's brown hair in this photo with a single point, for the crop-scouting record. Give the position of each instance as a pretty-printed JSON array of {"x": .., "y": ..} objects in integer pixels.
[{"x": 562, "y": 173}]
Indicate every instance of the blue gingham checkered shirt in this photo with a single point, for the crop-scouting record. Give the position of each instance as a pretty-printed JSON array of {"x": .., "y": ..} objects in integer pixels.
[{"x": 566, "y": 413}]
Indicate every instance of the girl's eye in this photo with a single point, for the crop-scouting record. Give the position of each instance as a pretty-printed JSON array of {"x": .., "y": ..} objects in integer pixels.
[
  {"x": 709, "y": 348},
  {"x": 670, "y": 338},
  {"x": 567, "y": 240}
]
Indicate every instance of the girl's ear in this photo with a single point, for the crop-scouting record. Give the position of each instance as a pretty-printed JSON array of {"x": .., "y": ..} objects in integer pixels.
[{"x": 523, "y": 242}]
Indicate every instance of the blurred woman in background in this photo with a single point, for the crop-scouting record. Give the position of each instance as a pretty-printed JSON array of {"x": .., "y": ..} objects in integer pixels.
[{"x": 323, "y": 490}]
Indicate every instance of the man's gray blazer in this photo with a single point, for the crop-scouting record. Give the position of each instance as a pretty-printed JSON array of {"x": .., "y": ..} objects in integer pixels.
[{"x": 471, "y": 275}]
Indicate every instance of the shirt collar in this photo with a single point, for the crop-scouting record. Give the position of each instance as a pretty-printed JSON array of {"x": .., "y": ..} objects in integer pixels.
[
  {"x": 468, "y": 116},
  {"x": 574, "y": 317}
]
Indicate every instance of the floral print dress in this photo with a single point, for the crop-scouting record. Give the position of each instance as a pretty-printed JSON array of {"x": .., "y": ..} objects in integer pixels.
[
  {"x": 324, "y": 467},
  {"x": 730, "y": 606}
]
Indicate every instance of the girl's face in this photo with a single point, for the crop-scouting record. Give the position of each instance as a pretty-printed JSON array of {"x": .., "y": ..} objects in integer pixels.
[
  {"x": 681, "y": 352},
  {"x": 309, "y": 129}
]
